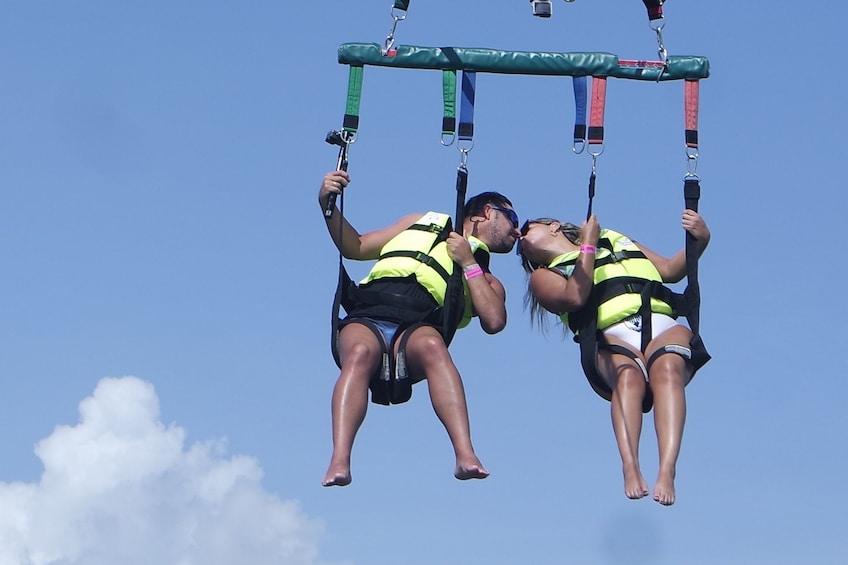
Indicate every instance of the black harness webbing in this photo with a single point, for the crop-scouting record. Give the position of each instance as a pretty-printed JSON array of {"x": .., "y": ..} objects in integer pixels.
[
  {"x": 392, "y": 384},
  {"x": 585, "y": 322},
  {"x": 692, "y": 293},
  {"x": 421, "y": 257},
  {"x": 454, "y": 293}
]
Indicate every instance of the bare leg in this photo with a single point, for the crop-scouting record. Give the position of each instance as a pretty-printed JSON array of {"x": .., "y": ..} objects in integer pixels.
[
  {"x": 360, "y": 354},
  {"x": 626, "y": 410},
  {"x": 669, "y": 419},
  {"x": 427, "y": 355},
  {"x": 669, "y": 375}
]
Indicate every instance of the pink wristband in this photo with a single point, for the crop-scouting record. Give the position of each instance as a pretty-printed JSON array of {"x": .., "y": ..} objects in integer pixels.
[
  {"x": 474, "y": 271},
  {"x": 588, "y": 249}
]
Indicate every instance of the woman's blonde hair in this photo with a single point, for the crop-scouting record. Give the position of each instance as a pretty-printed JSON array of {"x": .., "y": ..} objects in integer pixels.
[{"x": 570, "y": 231}]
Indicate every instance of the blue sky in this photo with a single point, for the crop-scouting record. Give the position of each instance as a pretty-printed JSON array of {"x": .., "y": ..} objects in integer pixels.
[{"x": 165, "y": 371}]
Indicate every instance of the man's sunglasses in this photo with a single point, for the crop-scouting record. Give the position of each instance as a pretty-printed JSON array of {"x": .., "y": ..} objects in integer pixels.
[{"x": 510, "y": 215}]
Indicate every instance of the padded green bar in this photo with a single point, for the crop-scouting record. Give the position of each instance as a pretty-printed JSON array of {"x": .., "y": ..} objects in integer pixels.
[
  {"x": 679, "y": 67},
  {"x": 518, "y": 62},
  {"x": 481, "y": 60}
]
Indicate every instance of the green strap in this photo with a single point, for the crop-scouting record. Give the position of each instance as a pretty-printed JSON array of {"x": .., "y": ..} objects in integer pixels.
[
  {"x": 449, "y": 95},
  {"x": 521, "y": 62},
  {"x": 354, "y": 95}
]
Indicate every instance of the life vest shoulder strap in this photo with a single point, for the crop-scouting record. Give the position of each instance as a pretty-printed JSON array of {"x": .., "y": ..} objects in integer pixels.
[{"x": 421, "y": 257}]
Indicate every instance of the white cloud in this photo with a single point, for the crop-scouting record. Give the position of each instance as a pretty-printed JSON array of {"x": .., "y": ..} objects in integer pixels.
[{"x": 121, "y": 488}]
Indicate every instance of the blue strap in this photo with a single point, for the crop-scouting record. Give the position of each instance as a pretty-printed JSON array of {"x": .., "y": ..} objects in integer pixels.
[
  {"x": 580, "y": 104},
  {"x": 466, "y": 108}
]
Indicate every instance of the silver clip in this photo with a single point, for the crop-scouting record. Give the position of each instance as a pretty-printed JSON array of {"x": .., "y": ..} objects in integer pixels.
[
  {"x": 691, "y": 162},
  {"x": 390, "y": 39}
]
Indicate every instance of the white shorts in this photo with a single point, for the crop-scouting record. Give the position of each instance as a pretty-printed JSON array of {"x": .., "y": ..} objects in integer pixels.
[{"x": 630, "y": 330}]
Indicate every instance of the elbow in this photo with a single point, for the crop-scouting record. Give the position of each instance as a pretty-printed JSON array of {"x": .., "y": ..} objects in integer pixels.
[
  {"x": 574, "y": 305},
  {"x": 493, "y": 326}
]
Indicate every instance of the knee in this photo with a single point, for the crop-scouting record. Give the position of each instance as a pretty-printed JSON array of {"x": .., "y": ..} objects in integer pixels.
[
  {"x": 668, "y": 371},
  {"x": 630, "y": 378},
  {"x": 361, "y": 355},
  {"x": 428, "y": 347}
]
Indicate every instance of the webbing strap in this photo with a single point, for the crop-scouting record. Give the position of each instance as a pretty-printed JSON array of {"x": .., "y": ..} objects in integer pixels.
[
  {"x": 596, "y": 115},
  {"x": 421, "y": 257},
  {"x": 454, "y": 293},
  {"x": 340, "y": 298},
  {"x": 617, "y": 257},
  {"x": 350, "y": 124},
  {"x": 580, "y": 94},
  {"x": 691, "y": 95},
  {"x": 466, "y": 108},
  {"x": 449, "y": 96},
  {"x": 654, "y": 8},
  {"x": 691, "y": 195},
  {"x": 354, "y": 96},
  {"x": 461, "y": 189},
  {"x": 401, "y": 5}
]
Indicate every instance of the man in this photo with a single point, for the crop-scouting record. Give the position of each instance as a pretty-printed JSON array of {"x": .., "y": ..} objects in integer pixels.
[{"x": 397, "y": 323}]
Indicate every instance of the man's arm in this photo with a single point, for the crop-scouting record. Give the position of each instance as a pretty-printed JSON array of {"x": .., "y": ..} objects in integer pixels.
[
  {"x": 488, "y": 296},
  {"x": 348, "y": 240}
]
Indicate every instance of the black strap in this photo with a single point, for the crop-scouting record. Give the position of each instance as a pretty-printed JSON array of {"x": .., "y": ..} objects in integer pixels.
[
  {"x": 422, "y": 257},
  {"x": 454, "y": 294},
  {"x": 341, "y": 299},
  {"x": 654, "y": 8},
  {"x": 613, "y": 257},
  {"x": 692, "y": 293},
  {"x": 691, "y": 195},
  {"x": 610, "y": 288}
]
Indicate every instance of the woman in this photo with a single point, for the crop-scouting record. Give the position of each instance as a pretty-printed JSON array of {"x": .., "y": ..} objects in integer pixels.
[{"x": 594, "y": 278}]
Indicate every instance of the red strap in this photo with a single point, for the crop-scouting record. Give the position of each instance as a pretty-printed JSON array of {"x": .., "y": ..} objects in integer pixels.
[
  {"x": 691, "y": 103},
  {"x": 596, "y": 114}
]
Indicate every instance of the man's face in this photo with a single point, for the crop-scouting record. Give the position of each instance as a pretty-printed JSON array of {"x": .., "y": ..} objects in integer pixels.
[{"x": 502, "y": 228}]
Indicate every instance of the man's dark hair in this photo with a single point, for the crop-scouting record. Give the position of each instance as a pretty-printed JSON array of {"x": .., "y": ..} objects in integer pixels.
[{"x": 475, "y": 204}]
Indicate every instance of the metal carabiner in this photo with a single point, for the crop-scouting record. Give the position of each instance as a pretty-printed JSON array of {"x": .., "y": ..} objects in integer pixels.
[
  {"x": 595, "y": 162},
  {"x": 390, "y": 39},
  {"x": 463, "y": 159},
  {"x": 657, "y": 28}
]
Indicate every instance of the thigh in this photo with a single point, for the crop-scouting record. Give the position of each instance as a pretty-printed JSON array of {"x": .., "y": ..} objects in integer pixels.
[
  {"x": 611, "y": 364},
  {"x": 424, "y": 348}
]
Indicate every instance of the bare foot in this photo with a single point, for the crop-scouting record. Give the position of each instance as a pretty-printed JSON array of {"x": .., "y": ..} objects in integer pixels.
[
  {"x": 664, "y": 489},
  {"x": 472, "y": 469},
  {"x": 337, "y": 476},
  {"x": 635, "y": 486}
]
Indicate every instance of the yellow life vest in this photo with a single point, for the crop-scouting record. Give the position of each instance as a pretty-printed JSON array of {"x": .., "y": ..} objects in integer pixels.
[
  {"x": 420, "y": 250},
  {"x": 616, "y": 257}
]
